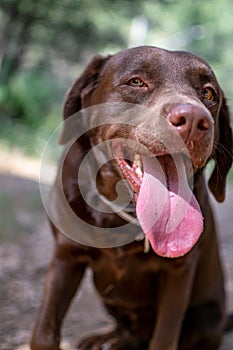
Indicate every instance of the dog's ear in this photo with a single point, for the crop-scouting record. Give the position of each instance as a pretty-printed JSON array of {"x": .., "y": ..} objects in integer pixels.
[
  {"x": 82, "y": 86},
  {"x": 223, "y": 154}
]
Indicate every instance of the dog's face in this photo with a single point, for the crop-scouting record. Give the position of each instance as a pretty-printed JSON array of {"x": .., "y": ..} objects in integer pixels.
[
  {"x": 176, "y": 86},
  {"x": 181, "y": 97}
]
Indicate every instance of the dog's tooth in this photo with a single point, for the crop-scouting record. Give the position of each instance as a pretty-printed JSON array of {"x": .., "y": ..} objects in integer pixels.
[
  {"x": 137, "y": 157},
  {"x": 138, "y": 171},
  {"x": 137, "y": 160},
  {"x": 127, "y": 166}
]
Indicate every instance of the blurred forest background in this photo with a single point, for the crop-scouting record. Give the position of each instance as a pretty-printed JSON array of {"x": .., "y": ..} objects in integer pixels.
[{"x": 45, "y": 44}]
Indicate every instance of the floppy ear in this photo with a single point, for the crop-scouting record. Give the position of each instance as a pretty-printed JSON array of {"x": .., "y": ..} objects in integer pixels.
[
  {"x": 84, "y": 85},
  {"x": 223, "y": 154}
]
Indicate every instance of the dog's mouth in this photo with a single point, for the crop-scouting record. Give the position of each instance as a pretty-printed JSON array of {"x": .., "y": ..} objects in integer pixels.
[
  {"x": 132, "y": 171},
  {"x": 166, "y": 208}
]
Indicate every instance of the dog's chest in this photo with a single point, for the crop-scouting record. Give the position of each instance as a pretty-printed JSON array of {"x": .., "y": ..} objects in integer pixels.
[{"x": 122, "y": 278}]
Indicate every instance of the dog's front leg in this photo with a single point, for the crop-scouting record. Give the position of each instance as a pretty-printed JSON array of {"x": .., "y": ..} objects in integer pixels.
[
  {"x": 64, "y": 275},
  {"x": 174, "y": 296}
]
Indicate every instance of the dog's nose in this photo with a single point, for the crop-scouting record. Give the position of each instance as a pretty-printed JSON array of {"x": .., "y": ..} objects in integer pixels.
[{"x": 192, "y": 122}]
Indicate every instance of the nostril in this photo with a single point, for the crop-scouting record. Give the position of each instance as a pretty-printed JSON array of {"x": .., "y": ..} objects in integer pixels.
[
  {"x": 180, "y": 121},
  {"x": 177, "y": 119},
  {"x": 203, "y": 124}
]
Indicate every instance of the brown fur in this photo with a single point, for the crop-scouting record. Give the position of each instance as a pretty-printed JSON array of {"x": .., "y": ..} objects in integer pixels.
[{"x": 158, "y": 303}]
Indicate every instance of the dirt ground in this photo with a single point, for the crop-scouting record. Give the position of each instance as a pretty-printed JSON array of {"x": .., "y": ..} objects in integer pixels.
[{"x": 25, "y": 250}]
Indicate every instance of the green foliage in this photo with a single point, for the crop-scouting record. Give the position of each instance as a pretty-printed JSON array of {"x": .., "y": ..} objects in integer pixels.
[
  {"x": 28, "y": 97},
  {"x": 30, "y": 110}
]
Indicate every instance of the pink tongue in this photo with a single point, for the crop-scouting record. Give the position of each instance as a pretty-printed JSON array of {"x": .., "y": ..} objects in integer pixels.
[{"x": 167, "y": 210}]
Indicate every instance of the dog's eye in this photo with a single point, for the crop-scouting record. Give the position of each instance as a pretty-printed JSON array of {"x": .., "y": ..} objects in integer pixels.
[
  {"x": 136, "y": 82},
  {"x": 209, "y": 93}
]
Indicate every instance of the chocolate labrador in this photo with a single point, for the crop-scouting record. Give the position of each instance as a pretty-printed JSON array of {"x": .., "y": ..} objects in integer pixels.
[{"x": 160, "y": 117}]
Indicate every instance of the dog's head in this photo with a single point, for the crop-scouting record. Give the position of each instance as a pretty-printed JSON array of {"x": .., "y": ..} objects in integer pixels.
[{"x": 183, "y": 114}]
